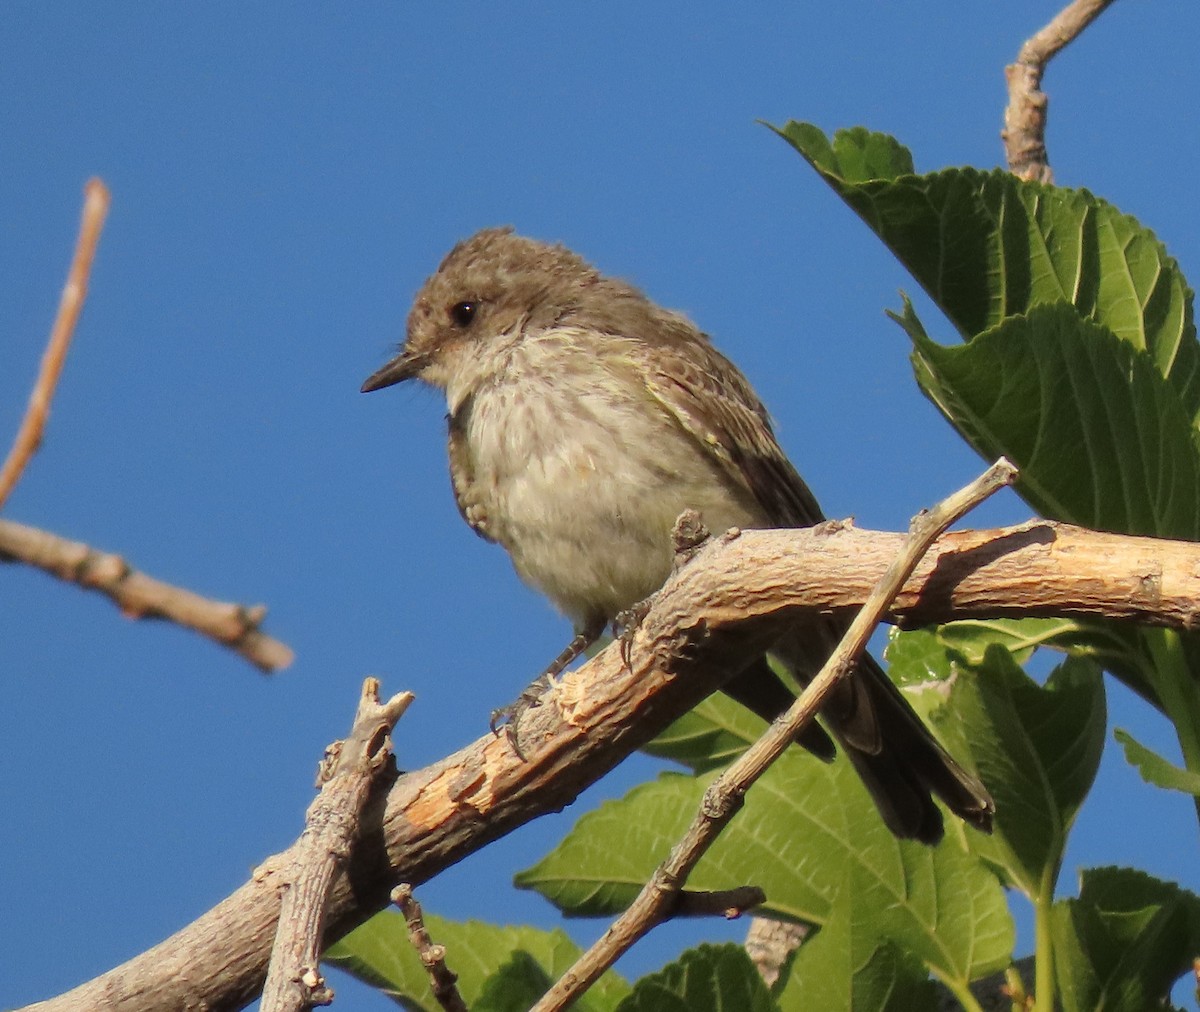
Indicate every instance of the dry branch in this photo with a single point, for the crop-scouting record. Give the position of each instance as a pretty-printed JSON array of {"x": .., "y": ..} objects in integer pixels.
[
  {"x": 728, "y": 601},
  {"x": 1024, "y": 132},
  {"x": 235, "y": 626},
  {"x": 137, "y": 595},
  {"x": 29, "y": 436},
  {"x": 442, "y": 981},
  {"x": 350, "y": 770}
]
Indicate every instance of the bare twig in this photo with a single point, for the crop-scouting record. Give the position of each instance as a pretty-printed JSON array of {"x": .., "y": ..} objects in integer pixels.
[
  {"x": 734, "y": 597},
  {"x": 29, "y": 436},
  {"x": 350, "y": 770},
  {"x": 137, "y": 595},
  {"x": 442, "y": 982},
  {"x": 723, "y": 799},
  {"x": 1024, "y": 132},
  {"x": 140, "y": 596},
  {"x": 727, "y": 903}
]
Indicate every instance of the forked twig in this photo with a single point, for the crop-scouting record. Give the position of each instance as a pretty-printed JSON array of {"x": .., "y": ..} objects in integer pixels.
[{"x": 348, "y": 773}]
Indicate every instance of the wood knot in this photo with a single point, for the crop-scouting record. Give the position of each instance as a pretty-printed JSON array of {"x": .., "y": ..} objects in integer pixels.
[
  {"x": 682, "y": 647},
  {"x": 689, "y": 533}
]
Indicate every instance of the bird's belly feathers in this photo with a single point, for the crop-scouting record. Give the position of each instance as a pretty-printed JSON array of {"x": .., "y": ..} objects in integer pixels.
[{"x": 582, "y": 484}]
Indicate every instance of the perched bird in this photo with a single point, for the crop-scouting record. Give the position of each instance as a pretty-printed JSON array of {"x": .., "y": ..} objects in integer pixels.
[{"x": 583, "y": 420}]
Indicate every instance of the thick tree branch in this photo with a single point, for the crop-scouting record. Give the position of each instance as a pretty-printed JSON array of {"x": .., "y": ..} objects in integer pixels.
[
  {"x": 725, "y": 604},
  {"x": 29, "y": 436},
  {"x": 235, "y": 626}
]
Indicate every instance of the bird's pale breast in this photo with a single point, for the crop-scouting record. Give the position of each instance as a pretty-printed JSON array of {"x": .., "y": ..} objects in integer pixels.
[{"x": 581, "y": 474}]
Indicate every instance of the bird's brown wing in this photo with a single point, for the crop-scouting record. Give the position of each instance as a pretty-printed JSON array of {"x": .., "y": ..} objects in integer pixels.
[
  {"x": 896, "y": 756},
  {"x": 712, "y": 401}
]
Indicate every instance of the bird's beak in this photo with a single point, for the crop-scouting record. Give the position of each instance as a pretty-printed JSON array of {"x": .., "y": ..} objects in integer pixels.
[{"x": 404, "y": 366}]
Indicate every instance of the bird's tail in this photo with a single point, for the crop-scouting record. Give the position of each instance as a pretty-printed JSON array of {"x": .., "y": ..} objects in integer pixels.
[{"x": 897, "y": 757}]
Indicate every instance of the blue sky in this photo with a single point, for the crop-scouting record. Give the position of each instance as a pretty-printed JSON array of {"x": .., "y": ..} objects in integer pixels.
[{"x": 283, "y": 179}]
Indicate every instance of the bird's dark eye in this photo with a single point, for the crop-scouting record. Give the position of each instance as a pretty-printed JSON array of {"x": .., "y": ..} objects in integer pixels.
[{"x": 462, "y": 313}]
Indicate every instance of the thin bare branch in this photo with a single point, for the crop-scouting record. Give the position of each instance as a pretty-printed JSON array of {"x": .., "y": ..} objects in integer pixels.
[
  {"x": 727, "y": 903},
  {"x": 724, "y": 797},
  {"x": 350, "y": 770},
  {"x": 1024, "y": 132},
  {"x": 442, "y": 982},
  {"x": 29, "y": 436},
  {"x": 235, "y": 626}
]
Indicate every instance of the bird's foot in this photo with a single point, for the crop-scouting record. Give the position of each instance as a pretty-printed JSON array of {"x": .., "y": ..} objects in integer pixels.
[
  {"x": 626, "y": 625},
  {"x": 507, "y": 718}
]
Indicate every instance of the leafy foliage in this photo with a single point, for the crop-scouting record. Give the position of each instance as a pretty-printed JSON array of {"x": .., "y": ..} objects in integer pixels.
[
  {"x": 808, "y": 833},
  {"x": 1120, "y": 454},
  {"x": 1038, "y": 748},
  {"x": 849, "y": 965},
  {"x": 987, "y": 246},
  {"x": 494, "y": 964},
  {"x": 709, "y": 978},
  {"x": 1123, "y": 942}
]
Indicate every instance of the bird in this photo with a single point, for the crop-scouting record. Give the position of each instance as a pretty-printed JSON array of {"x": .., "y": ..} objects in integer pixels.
[{"x": 583, "y": 419}]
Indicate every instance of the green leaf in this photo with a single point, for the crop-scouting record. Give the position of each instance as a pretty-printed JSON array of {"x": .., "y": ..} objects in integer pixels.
[
  {"x": 986, "y": 246},
  {"x": 1112, "y": 647},
  {"x": 380, "y": 953},
  {"x": 708, "y": 978},
  {"x": 1037, "y": 749},
  {"x": 802, "y": 826},
  {"x": 1100, "y": 438},
  {"x": 515, "y": 987},
  {"x": 1154, "y": 768},
  {"x": 776, "y": 842},
  {"x": 713, "y": 733},
  {"x": 943, "y": 906},
  {"x": 848, "y": 965},
  {"x": 970, "y": 638},
  {"x": 855, "y": 156},
  {"x": 919, "y": 662},
  {"x": 916, "y": 657},
  {"x": 1123, "y": 942}
]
